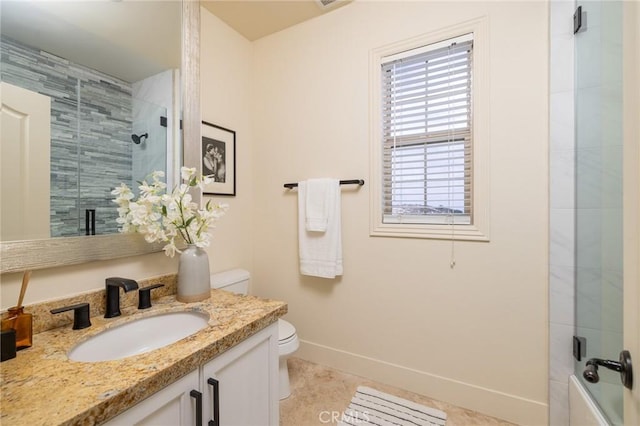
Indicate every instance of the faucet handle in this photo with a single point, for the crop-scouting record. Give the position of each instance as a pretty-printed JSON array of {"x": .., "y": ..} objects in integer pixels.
[
  {"x": 144, "y": 296},
  {"x": 80, "y": 315}
]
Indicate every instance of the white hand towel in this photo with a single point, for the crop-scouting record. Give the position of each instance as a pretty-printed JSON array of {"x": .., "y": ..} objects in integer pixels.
[
  {"x": 320, "y": 252},
  {"x": 320, "y": 197}
]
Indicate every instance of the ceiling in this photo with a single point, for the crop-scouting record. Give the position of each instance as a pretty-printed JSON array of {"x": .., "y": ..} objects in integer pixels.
[
  {"x": 115, "y": 37},
  {"x": 110, "y": 36},
  {"x": 258, "y": 18}
]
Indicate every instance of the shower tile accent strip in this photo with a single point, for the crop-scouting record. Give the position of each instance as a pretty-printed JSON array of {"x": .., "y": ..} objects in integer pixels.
[{"x": 91, "y": 117}]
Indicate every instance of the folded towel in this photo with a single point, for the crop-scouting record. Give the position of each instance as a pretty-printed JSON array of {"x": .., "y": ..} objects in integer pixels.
[
  {"x": 320, "y": 252},
  {"x": 320, "y": 198}
]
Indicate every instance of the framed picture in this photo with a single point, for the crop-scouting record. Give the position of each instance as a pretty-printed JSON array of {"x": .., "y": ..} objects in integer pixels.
[{"x": 219, "y": 159}]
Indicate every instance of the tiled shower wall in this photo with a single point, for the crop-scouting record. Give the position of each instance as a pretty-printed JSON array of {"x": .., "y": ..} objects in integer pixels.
[
  {"x": 562, "y": 209},
  {"x": 91, "y": 116}
]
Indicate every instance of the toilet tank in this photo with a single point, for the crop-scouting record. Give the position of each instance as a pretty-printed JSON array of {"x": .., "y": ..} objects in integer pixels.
[{"x": 234, "y": 280}]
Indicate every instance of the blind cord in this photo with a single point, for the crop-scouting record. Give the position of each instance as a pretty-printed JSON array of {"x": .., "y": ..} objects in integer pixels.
[{"x": 452, "y": 258}]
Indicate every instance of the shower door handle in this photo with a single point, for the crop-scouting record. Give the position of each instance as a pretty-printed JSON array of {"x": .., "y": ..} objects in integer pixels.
[{"x": 623, "y": 366}]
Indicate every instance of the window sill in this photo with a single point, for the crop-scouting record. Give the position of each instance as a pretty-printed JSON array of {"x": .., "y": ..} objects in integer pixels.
[{"x": 433, "y": 232}]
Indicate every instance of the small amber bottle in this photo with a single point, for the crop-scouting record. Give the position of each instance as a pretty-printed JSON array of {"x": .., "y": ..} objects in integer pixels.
[{"x": 22, "y": 323}]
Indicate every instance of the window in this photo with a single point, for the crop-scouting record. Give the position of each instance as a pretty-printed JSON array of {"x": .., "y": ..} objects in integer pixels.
[
  {"x": 426, "y": 134},
  {"x": 429, "y": 150}
]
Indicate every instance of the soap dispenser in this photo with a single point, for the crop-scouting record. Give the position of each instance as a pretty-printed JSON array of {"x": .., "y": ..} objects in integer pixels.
[{"x": 21, "y": 322}]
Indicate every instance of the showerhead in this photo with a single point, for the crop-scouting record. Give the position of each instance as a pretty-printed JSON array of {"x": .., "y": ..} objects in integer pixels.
[{"x": 137, "y": 139}]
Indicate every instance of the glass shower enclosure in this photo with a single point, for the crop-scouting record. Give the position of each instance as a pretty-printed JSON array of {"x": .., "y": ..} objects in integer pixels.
[{"x": 599, "y": 201}]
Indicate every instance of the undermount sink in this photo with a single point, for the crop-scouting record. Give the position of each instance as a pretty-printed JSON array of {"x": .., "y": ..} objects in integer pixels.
[{"x": 139, "y": 336}]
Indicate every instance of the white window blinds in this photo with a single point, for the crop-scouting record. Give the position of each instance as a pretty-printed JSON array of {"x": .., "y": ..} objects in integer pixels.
[{"x": 427, "y": 137}]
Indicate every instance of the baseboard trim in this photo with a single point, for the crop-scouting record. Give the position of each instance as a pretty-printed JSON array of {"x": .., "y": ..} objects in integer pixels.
[{"x": 487, "y": 401}]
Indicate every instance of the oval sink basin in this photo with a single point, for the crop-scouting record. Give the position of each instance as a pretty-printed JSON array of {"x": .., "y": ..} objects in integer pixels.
[{"x": 139, "y": 336}]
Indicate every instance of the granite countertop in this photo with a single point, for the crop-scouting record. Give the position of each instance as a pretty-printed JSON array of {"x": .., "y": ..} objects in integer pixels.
[{"x": 41, "y": 386}]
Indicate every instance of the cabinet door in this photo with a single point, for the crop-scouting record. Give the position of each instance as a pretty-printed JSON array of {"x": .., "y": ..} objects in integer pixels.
[
  {"x": 172, "y": 406},
  {"x": 247, "y": 376}
]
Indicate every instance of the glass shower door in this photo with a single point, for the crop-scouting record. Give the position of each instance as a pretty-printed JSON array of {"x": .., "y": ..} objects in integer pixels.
[
  {"x": 149, "y": 153},
  {"x": 599, "y": 213}
]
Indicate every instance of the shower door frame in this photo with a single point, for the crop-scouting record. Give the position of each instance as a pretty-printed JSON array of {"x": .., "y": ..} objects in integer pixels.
[
  {"x": 631, "y": 204},
  {"x": 630, "y": 212}
]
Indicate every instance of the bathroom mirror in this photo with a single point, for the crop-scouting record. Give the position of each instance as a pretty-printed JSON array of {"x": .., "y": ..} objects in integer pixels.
[
  {"x": 103, "y": 85},
  {"x": 116, "y": 37}
]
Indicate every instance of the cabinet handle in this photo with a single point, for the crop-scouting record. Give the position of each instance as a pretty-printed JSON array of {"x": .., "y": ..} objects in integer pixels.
[
  {"x": 216, "y": 401},
  {"x": 198, "y": 397}
]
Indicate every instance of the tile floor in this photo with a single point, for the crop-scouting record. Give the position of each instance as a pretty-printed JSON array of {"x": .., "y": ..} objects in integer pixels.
[{"x": 318, "y": 391}]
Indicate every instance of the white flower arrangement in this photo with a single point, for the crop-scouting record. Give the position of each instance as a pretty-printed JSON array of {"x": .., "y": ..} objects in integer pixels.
[{"x": 161, "y": 216}]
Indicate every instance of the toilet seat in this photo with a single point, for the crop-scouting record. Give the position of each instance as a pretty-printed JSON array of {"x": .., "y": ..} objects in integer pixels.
[
  {"x": 286, "y": 331},
  {"x": 288, "y": 341}
]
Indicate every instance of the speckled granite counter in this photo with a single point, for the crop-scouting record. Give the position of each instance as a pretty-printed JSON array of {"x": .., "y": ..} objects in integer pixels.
[{"x": 41, "y": 386}]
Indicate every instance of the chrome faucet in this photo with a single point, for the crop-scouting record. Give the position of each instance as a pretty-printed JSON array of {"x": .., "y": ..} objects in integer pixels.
[{"x": 113, "y": 286}]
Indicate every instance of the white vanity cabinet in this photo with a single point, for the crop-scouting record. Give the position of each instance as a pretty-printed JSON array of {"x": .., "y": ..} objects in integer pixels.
[
  {"x": 247, "y": 390},
  {"x": 248, "y": 382},
  {"x": 172, "y": 405}
]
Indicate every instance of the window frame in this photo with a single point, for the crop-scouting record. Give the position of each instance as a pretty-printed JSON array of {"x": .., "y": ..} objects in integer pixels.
[
  {"x": 478, "y": 229},
  {"x": 445, "y": 152}
]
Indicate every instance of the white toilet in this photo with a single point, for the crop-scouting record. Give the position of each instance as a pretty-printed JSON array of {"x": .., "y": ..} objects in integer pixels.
[{"x": 237, "y": 281}]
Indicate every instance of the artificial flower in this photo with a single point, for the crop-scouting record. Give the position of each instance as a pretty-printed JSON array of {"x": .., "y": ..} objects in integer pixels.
[{"x": 162, "y": 216}]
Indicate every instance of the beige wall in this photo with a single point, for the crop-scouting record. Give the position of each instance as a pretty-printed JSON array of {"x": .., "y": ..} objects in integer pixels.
[
  {"x": 475, "y": 335},
  {"x": 225, "y": 75},
  {"x": 55, "y": 283}
]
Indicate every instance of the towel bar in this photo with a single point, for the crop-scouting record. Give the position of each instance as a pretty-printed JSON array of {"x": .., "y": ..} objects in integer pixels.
[{"x": 342, "y": 182}]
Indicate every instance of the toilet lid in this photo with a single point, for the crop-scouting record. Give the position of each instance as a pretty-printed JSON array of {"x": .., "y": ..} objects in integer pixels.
[{"x": 285, "y": 330}]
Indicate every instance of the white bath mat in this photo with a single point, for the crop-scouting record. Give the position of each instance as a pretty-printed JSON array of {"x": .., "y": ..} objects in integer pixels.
[{"x": 371, "y": 407}]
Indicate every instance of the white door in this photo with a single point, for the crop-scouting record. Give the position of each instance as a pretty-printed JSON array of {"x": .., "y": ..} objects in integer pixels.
[{"x": 25, "y": 158}]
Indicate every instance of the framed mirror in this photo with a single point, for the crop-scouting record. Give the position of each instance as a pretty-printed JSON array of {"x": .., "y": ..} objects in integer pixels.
[{"x": 115, "y": 92}]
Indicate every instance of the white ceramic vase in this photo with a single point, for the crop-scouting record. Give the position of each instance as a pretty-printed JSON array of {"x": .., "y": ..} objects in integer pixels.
[{"x": 193, "y": 275}]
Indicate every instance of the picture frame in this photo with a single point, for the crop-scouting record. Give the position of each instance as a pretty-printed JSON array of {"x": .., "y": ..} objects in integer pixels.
[{"x": 218, "y": 154}]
